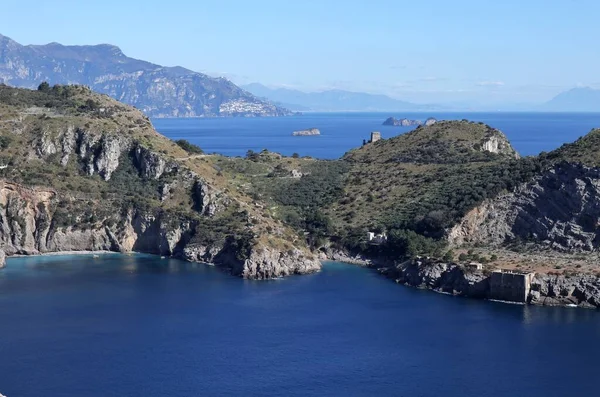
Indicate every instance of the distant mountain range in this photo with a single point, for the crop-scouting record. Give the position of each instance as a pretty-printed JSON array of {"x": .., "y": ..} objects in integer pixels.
[
  {"x": 581, "y": 99},
  {"x": 333, "y": 100},
  {"x": 156, "y": 90}
]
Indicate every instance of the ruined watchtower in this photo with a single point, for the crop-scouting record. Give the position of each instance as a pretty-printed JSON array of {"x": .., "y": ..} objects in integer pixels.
[
  {"x": 510, "y": 285},
  {"x": 375, "y": 136}
]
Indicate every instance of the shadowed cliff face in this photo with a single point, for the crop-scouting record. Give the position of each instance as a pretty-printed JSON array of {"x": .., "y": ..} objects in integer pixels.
[
  {"x": 88, "y": 173},
  {"x": 158, "y": 91},
  {"x": 560, "y": 209}
]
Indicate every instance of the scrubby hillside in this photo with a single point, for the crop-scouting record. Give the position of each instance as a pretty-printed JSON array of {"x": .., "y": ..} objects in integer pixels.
[
  {"x": 420, "y": 183},
  {"x": 584, "y": 150},
  {"x": 456, "y": 192},
  {"x": 427, "y": 179},
  {"x": 80, "y": 171}
]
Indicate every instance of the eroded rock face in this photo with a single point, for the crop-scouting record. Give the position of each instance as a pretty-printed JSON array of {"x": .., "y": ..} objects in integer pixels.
[
  {"x": 558, "y": 290},
  {"x": 151, "y": 164},
  {"x": 496, "y": 142},
  {"x": 560, "y": 209},
  {"x": 28, "y": 225},
  {"x": 2, "y": 259},
  {"x": 581, "y": 290},
  {"x": 99, "y": 152},
  {"x": 107, "y": 160},
  {"x": 265, "y": 263},
  {"x": 438, "y": 276}
]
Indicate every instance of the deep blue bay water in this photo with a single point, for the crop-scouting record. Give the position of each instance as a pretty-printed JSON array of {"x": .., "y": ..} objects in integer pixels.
[
  {"x": 144, "y": 326},
  {"x": 530, "y": 133}
]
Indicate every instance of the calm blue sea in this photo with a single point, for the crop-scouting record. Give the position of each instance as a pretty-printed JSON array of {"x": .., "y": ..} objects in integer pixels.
[
  {"x": 530, "y": 133},
  {"x": 142, "y": 326}
]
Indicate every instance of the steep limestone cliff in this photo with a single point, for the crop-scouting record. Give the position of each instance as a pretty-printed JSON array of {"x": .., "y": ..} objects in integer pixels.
[
  {"x": 91, "y": 174},
  {"x": 559, "y": 208}
]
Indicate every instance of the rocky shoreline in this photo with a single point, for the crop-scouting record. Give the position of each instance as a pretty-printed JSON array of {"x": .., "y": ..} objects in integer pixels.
[
  {"x": 59, "y": 253},
  {"x": 423, "y": 273},
  {"x": 260, "y": 266},
  {"x": 454, "y": 279}
]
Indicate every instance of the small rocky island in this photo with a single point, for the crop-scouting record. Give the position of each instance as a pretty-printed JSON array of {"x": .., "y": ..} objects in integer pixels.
[
  {"x": 394, "y": 122},
  {"x": 308, "y": 132}
]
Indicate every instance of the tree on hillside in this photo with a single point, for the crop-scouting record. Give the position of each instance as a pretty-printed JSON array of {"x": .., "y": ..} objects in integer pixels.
[{"x": 44, "y": 87}]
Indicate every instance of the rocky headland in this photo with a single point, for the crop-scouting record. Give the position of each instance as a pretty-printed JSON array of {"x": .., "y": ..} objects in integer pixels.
[{"x": 86, "y": 173}]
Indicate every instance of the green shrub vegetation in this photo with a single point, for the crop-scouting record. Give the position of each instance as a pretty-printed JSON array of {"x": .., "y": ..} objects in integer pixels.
[
  {"x": 189, "y": 147},
  {"x": 413, "y": 187}
]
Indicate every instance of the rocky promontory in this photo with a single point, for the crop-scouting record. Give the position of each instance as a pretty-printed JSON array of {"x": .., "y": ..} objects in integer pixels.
[
  {"x": 86, "y": 173},
  {"x": 394, "y": 122},
  {"x": 308, "y": 132}
]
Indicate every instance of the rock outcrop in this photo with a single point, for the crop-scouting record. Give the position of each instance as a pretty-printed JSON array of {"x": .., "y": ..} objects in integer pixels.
[
  {"x": 451, "y": 278},
  {"x": 394, "y": 122},
  {"x": 268, "y": 263},
  {"x": 555, "y": 290},
  {"x": 559, "y": 209},
  {"x": 2, "y": 259},
  {"x": 441, "y": 277},
  {"x": 308, "y": 132},
  {"x": 497, "y": 143},
  {"x": 430, "y": 121}
]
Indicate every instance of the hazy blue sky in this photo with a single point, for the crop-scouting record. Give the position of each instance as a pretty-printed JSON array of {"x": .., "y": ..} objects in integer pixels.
[{"x": 427, "y": 50}]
